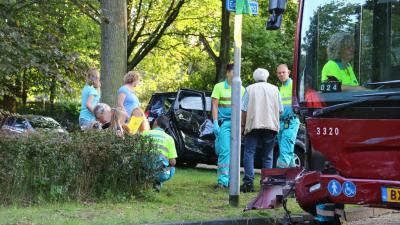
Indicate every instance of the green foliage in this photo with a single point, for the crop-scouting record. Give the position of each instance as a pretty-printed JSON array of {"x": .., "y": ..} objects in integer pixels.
[
  {"x": 178, "y": 60},
  {"x": 49, "y": 44},
  {"x": 267, "y": 49},
  {"x": 165, "y": 71},
  {"x": 148, "y": 21},
  {"x": 202, "y": 74},
  {"x": 80, "y": 166},
  {"x": 65, "y": 112},
  {"x": 46, "y": 47},
  {"x": 331, "y": 18}
]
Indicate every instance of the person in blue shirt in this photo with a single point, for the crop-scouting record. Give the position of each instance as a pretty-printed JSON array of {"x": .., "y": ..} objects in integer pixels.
[
  {"x": 126, "y": 95},
  {"x": 90, "y": 98}
]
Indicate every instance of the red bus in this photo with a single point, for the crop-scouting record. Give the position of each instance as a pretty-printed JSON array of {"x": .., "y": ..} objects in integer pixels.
[{"x": 347, "y": 92}]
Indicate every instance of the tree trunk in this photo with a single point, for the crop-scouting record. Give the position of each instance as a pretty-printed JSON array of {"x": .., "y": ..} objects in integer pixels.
[
  {"x": 113, "y": 48},
  {"x": 224, "y": 46},
  {"x": 10, "y": 103},
  {"x": 24, "y": 94}
]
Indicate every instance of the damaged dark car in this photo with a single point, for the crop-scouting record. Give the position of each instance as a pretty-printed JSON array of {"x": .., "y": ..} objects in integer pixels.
[
  {"x": 191, "y": 127},
  {"x": 31, "y": 123}
]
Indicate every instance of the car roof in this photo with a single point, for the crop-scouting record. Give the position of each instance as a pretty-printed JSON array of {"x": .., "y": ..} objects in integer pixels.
[
  {"x": 207, "y": 93},
  {"x": 36, "y": 119}
]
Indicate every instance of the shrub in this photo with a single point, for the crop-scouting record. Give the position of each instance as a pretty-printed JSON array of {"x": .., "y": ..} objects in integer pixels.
[{"x": 83, "y": 166}]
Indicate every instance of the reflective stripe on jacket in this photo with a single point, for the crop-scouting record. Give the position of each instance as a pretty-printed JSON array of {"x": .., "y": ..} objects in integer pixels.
[
  {"x": 223, "y": 91},
  {"x": 286, "y": 95},
  {"x": 164, "y": 142}
]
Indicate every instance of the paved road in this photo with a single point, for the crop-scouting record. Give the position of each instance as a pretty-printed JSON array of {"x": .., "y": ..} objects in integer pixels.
[{"x": 387, "y": 219}]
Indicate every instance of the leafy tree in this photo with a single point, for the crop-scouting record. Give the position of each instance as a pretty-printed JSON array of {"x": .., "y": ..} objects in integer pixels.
[
  {"x": 130, "y": 31},
  {"x": 148, "y": 21},
  {"x": 182, "y": 59},
  {"x": 36, "y": 57},
  {"x": 178, "y": 59},
  {"x": 174, "y": 43},
  {"x": 267, "y": 49},
  {"x": 222, "y": 59}
]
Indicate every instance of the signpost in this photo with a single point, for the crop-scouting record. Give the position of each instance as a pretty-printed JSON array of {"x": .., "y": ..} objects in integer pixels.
[{"x": 241, "y": 7}]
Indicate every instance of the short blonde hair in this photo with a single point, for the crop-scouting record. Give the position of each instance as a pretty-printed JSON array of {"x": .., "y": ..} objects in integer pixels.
[
  {"x": 337, "y": 43},
  {"x": 131, "y": 77},
  {"x": 91, "y": 76}
]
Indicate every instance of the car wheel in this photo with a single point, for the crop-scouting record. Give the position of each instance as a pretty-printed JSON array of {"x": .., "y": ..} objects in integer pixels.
[{"x": 298, "y": 157}]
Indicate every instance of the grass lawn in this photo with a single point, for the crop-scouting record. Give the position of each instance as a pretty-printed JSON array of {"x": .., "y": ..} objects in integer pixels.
[{"x": 189, "y": 196}]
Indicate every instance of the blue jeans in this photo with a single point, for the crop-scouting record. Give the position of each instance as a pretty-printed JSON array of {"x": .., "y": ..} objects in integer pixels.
[
  {"x": 84, "y": 123},
  {"x": 266, "y": 140},
  {"x": 167, "y": 171},
  {"x": 166, "y": 174}
]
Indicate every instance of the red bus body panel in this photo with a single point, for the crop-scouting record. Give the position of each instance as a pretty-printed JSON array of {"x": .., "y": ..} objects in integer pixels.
[
  {"x": 363, "y": 151},
  {"x": 368, "y": 191},
  {"x": 359, "y": 148}
]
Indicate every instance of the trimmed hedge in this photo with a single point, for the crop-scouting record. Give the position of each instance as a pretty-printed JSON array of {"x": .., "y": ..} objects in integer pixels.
[{"x": 83, "y": 166}]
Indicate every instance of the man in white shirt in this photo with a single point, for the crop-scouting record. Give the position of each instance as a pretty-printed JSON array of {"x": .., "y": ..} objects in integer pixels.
[{"x": 261, "y": 108}]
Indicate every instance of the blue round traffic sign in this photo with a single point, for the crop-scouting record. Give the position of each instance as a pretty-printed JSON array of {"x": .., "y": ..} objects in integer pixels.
[
  {"x": 334, "y": 188},
  {"x": 349, "y": 189}
]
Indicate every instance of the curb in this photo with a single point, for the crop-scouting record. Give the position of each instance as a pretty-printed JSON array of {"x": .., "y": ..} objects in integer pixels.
[
  {"x": 352, "y": 215},
  {"x": 235, "y": 221}
]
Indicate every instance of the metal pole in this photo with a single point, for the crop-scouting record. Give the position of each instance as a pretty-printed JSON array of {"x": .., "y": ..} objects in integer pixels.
[{"x": 234, "y": 170}]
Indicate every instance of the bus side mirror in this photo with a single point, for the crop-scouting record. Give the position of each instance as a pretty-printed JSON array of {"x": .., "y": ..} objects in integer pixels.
[{"x": 276, "y": 8}]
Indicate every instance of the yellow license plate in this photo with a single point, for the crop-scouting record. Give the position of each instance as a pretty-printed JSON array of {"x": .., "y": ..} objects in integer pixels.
[{"x": 390, "y": 194}]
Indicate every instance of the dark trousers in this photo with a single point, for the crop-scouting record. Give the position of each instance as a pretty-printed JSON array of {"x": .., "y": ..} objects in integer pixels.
[{"x": 266, "y": 140}]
